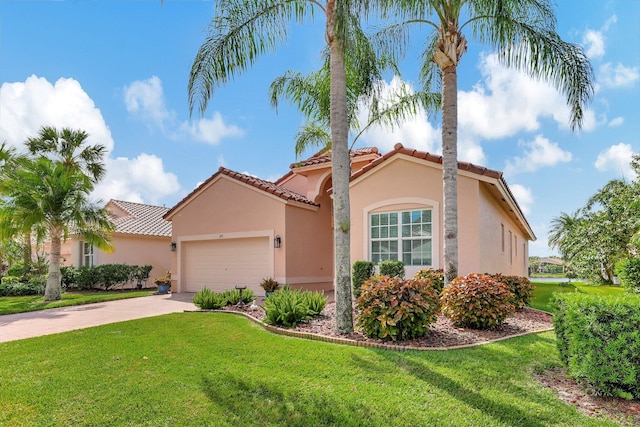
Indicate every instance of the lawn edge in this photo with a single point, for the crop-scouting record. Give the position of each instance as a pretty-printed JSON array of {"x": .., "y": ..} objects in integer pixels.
[{"x": 354, "y": 343}]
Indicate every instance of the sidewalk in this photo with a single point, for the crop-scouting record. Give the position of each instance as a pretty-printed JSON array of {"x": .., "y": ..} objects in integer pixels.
[{"x": 55, "y": 320}]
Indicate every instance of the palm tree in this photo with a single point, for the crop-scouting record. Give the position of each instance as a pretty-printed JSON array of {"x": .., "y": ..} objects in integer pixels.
[
  {"x": 44, "y": 192},
  {"x": 562, "y": 228},
  {"x": 364, "y": 72},
  {"x": 523, "y": 33},
  {"x": 70, "y": 148},
  {"x": 241, "y": 31}
]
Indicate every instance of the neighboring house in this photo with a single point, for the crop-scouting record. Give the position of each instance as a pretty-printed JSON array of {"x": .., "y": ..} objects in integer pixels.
[
  {"x": 142, "y": 237},
  {"x": 550, "y": 264},
  {"x": 236, "y": 229}
]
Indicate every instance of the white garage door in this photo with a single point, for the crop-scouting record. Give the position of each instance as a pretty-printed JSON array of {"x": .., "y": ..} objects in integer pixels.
[{"x": 222, "y": 264}]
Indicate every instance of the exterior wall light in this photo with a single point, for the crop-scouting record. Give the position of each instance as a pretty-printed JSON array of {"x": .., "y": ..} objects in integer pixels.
[
  {"x": 277, "y": 241},
  {"x": 173, "y": 246}
]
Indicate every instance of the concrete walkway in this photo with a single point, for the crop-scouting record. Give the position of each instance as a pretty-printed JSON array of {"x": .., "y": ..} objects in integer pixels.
[{"x": 55, "y": 320}]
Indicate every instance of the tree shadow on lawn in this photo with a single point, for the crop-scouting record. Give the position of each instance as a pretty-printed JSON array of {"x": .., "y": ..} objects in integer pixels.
[
  {"x": 259, "y": 402},
  {"x": 508, "y": 414}
]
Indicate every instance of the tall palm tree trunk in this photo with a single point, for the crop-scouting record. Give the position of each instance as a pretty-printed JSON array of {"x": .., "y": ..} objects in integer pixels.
[
  {"x": 340, "y": 173},
  {"x": 53, "y": 292},
  {"x": 450, "y": 170}
]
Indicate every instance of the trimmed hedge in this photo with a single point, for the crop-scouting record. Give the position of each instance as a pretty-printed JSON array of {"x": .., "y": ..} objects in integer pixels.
[
  {"x": 392, "y": 268},
  {"x": 599, "y": 341},
  {"x": 361, "y": 272},
  {"x": 628, "y": 271},
  {"x": 396, "y": 309}
]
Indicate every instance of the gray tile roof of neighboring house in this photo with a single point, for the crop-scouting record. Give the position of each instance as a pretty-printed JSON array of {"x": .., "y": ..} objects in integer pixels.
[{"x": 141, "y": 219}]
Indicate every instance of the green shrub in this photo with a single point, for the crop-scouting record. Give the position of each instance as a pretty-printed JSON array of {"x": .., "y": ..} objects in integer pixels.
[
  {"x": 10, "y": 280},
  {"x": 361, "y": 272},
  {"x": 87, "y": 278},
  {"x": 233, "y": 296},
  {"x": 286, "y": 307},
  {"x": 599, "y": 341},
  {"x": 392, "y": 308},
  {"x": 477, "y": 301},
  {"x": 628, "y": 271},
  {"x": 520, "y": 287},
  {"x": 315, "y": 302},
  {"x": 207, "y": 299},
  {"x": 392, "y": 268},
  {"x": 436, "y": 277},
  {"x": 17, "y": 289},
  {"x": 69, "y": 277},
  {"x": 17, "y": 270}
]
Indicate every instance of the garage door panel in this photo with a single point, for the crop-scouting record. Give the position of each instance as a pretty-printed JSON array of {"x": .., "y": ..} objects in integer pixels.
[{"x": 221, "y": 264}]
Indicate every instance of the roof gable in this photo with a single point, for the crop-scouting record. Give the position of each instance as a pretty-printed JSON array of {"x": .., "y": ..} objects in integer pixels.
[
  {"x": 138, "y": 218},
  {"x": 495, "y": 178},
  {"x": 257, "y": 183}
]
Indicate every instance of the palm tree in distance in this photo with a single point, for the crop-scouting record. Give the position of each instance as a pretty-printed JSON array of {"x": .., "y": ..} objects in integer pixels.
[
  {"x": 522, "y": 32},
  {"x": 243, "y": 30},
  {"x": 41, "y": 191}
]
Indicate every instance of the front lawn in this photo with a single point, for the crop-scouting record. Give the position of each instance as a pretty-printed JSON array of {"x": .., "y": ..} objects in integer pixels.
[
  {"x": 10, "y": 305},
  {"x": 544, "y": 291},
  {"x": 219, "y": 369}
]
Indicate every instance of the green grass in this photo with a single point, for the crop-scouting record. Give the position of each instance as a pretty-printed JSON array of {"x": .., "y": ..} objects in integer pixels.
[
  {"x": 217, "y": 369},
  {"x": 10, "y": 305},
  {"x": 544, "y": 291}
]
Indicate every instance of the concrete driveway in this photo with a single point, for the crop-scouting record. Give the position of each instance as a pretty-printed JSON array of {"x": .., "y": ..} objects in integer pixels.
[{"x": 55, "y": 320}]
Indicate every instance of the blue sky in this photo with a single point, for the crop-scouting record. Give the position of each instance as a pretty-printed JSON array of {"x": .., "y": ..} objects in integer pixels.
[{"x": 119, "y": 70}]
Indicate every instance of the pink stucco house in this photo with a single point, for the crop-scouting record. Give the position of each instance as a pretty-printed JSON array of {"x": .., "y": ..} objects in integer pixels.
[
  {"x": 236, "y": 229},
  {"x": 142, "y": 237}
]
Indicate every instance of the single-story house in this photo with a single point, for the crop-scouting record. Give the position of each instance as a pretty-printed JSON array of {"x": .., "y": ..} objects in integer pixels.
[
  {"x": 142, "y": 237},
  {"x": 236, "y": 229}
]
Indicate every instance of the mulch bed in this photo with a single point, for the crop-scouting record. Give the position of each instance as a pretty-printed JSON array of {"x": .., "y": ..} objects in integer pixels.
[{"x": 443, "y": 335}]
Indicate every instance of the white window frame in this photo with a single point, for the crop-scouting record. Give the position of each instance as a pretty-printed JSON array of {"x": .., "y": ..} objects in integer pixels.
[
  {"x": 88, "y": 257},
  {"x": 398, "y": 228}
]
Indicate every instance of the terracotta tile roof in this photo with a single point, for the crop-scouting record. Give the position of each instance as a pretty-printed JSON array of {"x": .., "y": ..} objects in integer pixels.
[
  {"x": 399, "y": 149},
  {"x": 141, "y": 219},
  {"x": 268, "y": 186},
  {"x": 324, "y": 156},
  {"x": 258, "y": 183}
]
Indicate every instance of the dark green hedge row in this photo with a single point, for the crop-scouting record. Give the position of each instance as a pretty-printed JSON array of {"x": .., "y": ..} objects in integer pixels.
[
  {"x": 599, "y": 341},
  {"x": 105, "y": 276}
]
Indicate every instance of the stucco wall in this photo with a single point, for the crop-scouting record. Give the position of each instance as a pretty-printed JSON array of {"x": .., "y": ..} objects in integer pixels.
[
  {"x": 404, "y": 183},
  {"x": 309, "y": 246},
  {"x": 492, "y": 255},
  {"x": 139, "y": 250},
  {"x": 226, "y": 207}
]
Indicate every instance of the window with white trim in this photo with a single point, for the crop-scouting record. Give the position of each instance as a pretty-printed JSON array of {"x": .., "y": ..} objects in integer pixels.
[
  {"x": 88, "y": 258},
  {"x": 402, "y": 235}
]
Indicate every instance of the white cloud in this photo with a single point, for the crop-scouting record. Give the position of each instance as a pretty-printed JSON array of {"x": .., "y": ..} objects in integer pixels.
[
  {"x": 146, "y": 98},
  {"x": 616, "y": 122},
  {"x": 523, "y": 196},
  {"x": 211, "y": 131},
  {"x": 27, "y": 106},
  {"x": 539, "y": 153},
  {"x": 508, "y": 101},
  {"x": 617, "y": 159},
  {"x": 618, "y": 76},
  {"x": 594, "y": 42},
  {"x": 415, "y": 132},
  {"x": 142, "y": 179}
]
